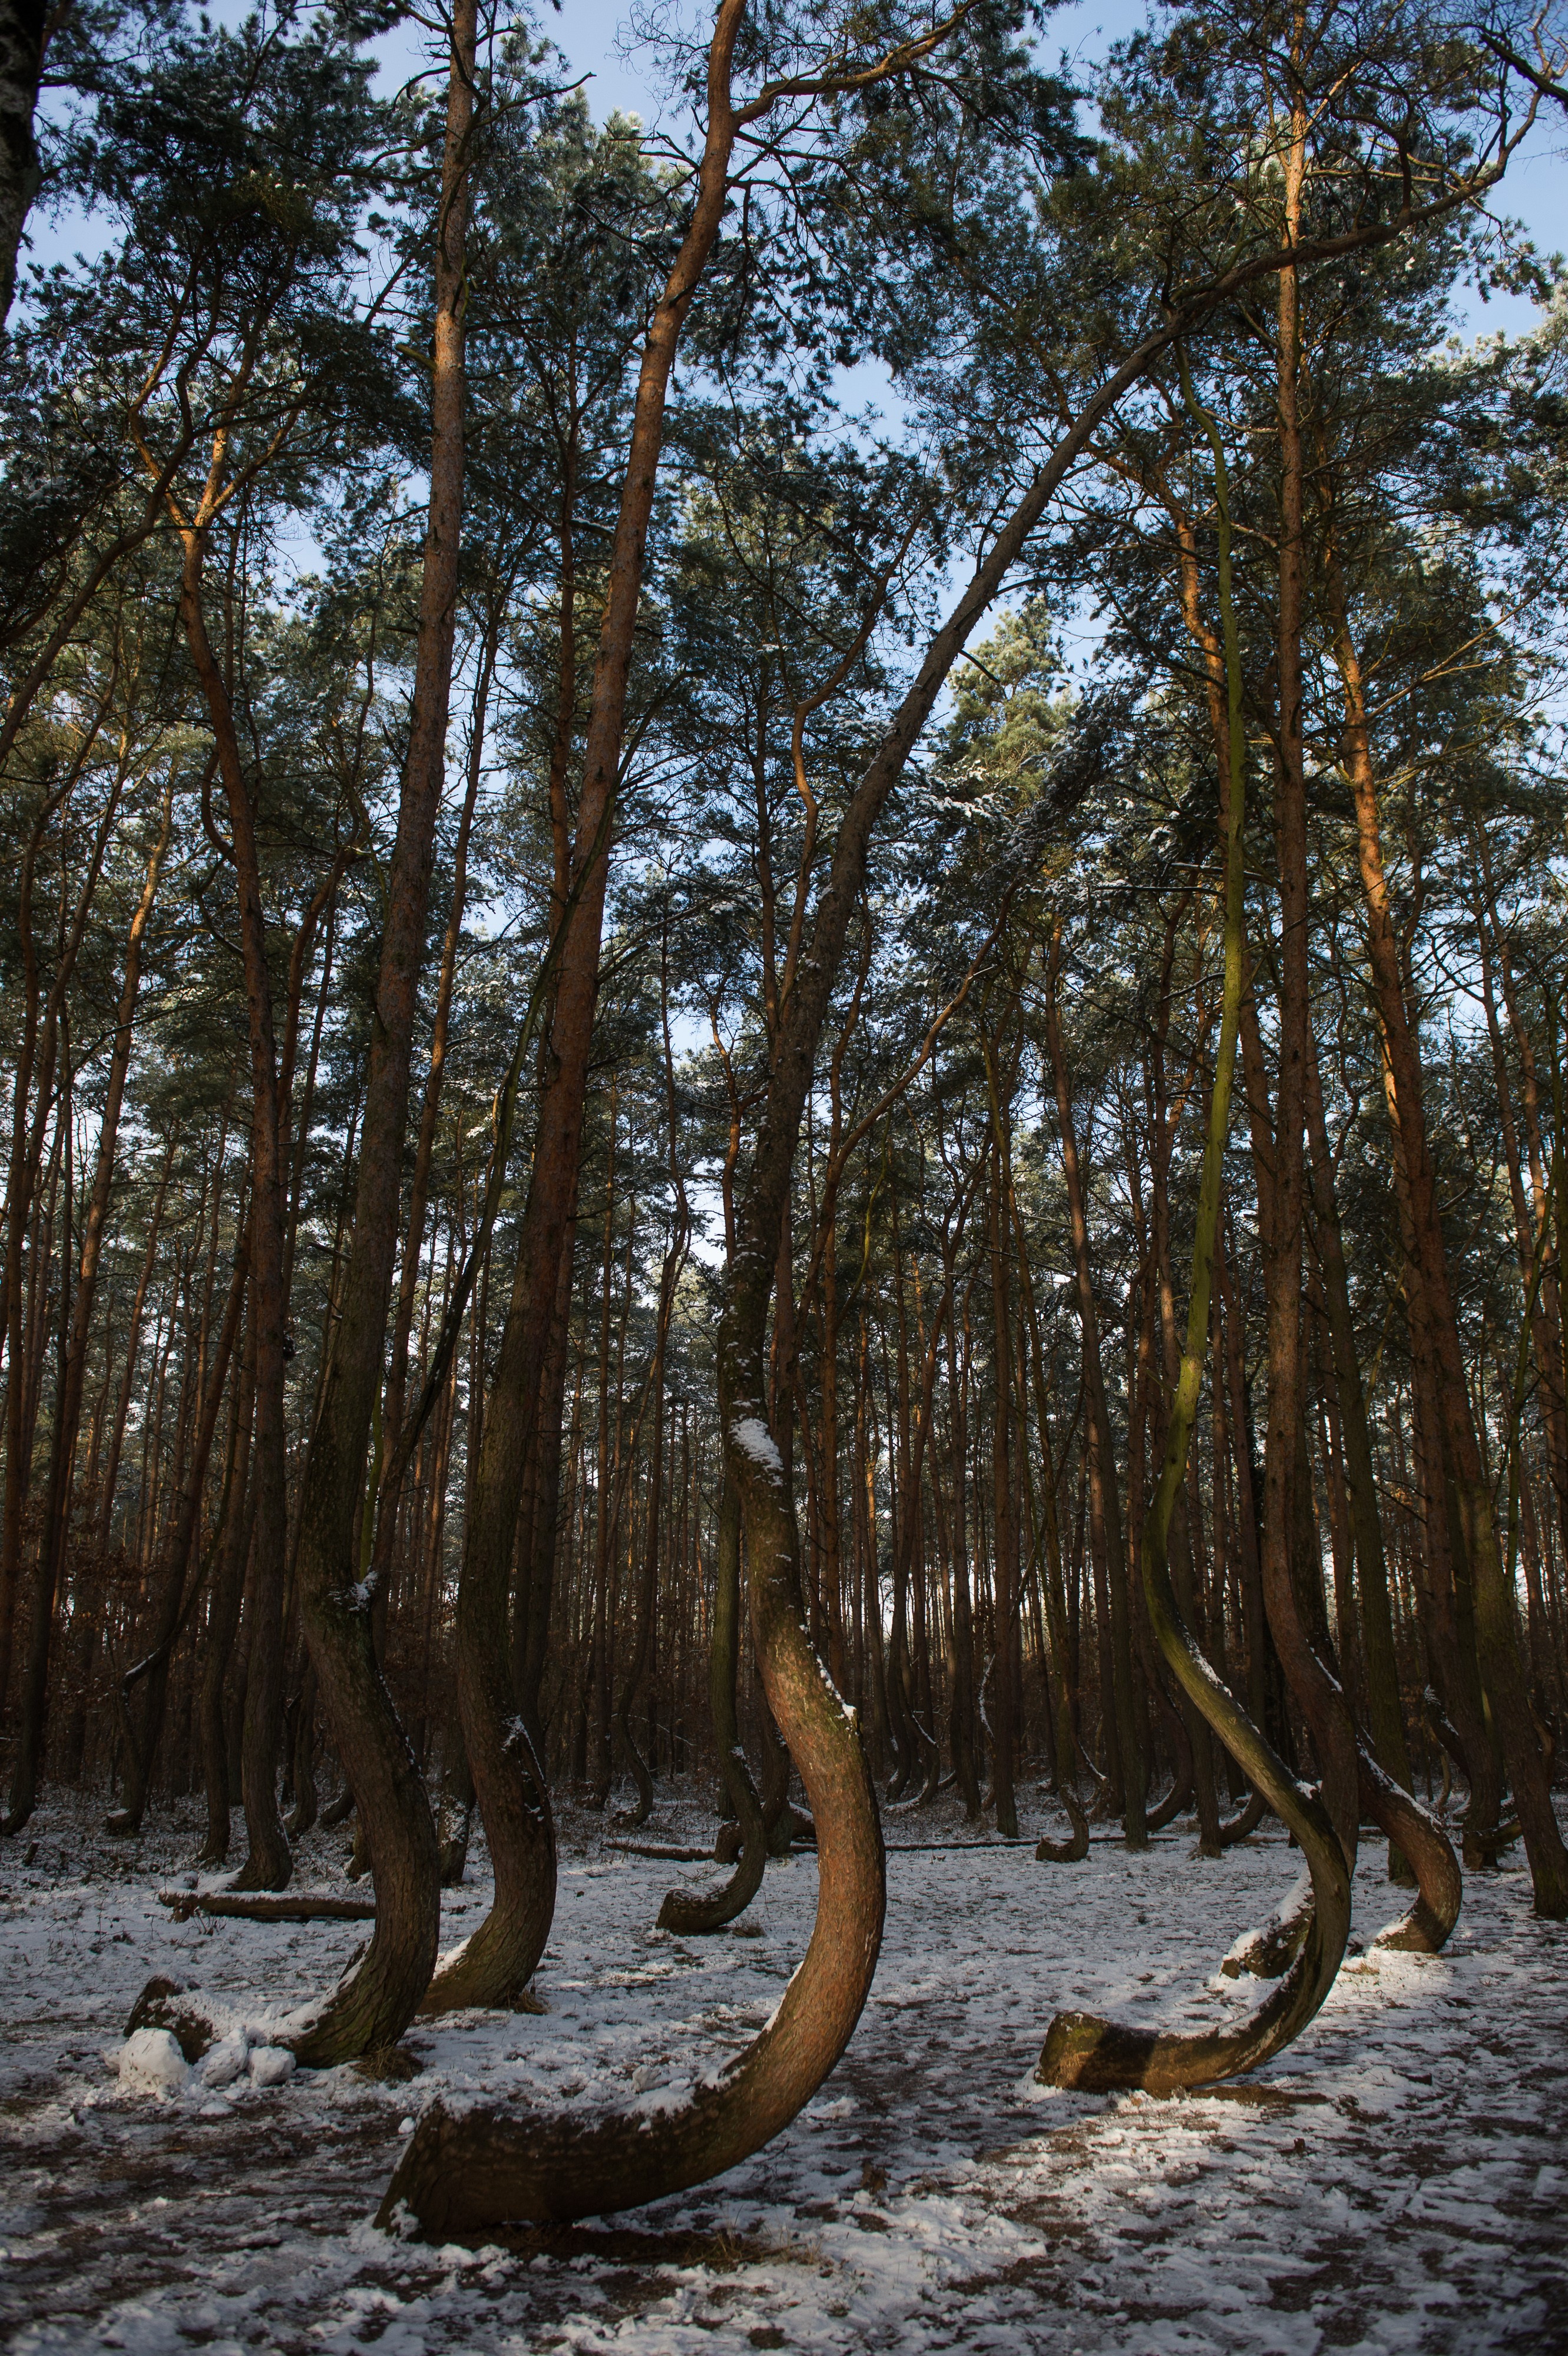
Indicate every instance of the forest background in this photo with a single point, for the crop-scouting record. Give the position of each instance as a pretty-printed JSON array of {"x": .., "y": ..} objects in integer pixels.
[{"x": 651, "y": 796}]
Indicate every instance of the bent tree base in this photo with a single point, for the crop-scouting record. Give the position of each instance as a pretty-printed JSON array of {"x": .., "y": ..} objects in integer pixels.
[
  {"x": 1081, "y": 2050},
  {"x": 463, "y": 2173},
  {"x": 692, "y": 1913}
]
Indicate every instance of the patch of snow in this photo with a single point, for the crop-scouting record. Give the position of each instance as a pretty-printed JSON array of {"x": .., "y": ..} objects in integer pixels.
[
  {"x": 150, "y": 2063},
  {"x": 752, "y": 1436},
  {"x": 1393, "y": 2185},
  {"x": 225, "y": 2061},
  {"x": 271, "y": 2066}
]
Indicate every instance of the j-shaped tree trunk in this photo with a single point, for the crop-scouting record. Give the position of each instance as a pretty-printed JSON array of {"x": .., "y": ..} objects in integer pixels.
[
  {"x": 1082, "y": 2049},
  {"x": 1432, "y": 1302},
  {"x": 463, "y": 2172},
  {"x": 374, "y": 2003},
  {"x": 1414, "y": 1832},
  {"x": 691, "y": 1911}
]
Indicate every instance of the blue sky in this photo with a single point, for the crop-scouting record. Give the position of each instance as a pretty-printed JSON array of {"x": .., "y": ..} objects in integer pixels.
[{"x": 596, "y": 36}]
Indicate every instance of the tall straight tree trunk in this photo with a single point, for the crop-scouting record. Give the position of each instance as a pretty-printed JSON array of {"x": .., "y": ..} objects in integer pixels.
[
  {"x": 1530, "y": 1219},
  {"x": 961, "y": 1695},
  {"x": 1106, "y": 1504},
  {"x": 1004, "y": 1525},
  {"x": 1385, "y": 1716},
  {"x": 68, "y": 1405}
]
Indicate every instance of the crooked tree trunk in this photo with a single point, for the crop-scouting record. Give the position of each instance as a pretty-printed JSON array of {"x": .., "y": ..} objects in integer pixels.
[
  {"x": 691, "y": 1911},
  {"x": 370, "y": 2009},
  {"x": 1414, "y": 1832},
  {"x": 1496, "y": 1637},
  {"x": 1082, "y": 2049},
  {"x": 465, "y": 2172}
]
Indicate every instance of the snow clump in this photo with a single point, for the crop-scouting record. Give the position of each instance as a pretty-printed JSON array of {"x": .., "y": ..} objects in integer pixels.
[
  {"x": 150, "y": 2063},
  {"x": 271, "y": 2065},
  {"x": 225, "y": 2061}
]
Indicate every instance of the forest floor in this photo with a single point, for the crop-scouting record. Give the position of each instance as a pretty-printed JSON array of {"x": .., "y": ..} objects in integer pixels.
[{"x": 1398, "y": 2181}]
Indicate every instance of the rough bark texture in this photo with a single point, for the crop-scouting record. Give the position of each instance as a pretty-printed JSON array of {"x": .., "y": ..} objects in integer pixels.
[
  {"x": 67, "y": 1405},
  {"x": 374, "y": 2006},
  {"x": 689, "y": 1912},
  {"x": 1081, "y": 2050},
  {"x": 1415, "y": 1831},
  {"x": 22, "y": 23},
  {"x": 1495, "y": 1638}
]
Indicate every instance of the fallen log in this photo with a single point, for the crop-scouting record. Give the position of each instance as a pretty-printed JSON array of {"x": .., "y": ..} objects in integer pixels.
[{"x": 183, "y": 1903}]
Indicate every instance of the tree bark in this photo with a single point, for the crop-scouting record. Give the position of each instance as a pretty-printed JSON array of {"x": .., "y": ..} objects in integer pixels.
[
  {"x": 370, "y": 2009},
  {"x": 1497, "y": 1640},
  {"x": 68, "y": 1405},
  {"x": 1105, "y": 1501}
]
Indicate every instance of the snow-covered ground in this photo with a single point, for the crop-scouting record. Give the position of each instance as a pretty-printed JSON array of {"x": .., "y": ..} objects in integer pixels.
[{"x": 1398, "y": 2181}]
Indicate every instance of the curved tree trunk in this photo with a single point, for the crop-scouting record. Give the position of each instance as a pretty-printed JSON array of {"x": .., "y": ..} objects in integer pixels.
[
  {"x": 691, "y": 1911},
  {"x": 1415, "y": 1831},
  {"x": 465, "y": 2172},
  {"x": 370, "y": 2009},
  {"x": 1082, "y": 2049}
]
